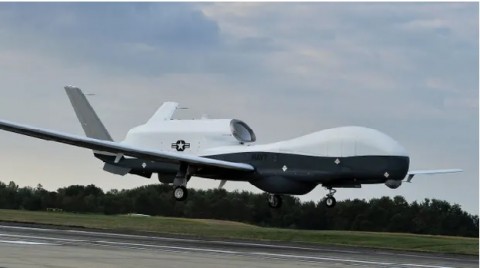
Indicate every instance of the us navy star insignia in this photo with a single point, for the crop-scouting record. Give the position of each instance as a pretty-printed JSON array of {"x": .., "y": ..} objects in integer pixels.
[{"x": 180, "y": 145}]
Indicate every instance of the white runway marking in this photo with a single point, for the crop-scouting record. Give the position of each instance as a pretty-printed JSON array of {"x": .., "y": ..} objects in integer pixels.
[
  {"x": 348, "y": 260},
  {"x": 425, "y": 266},
  {"x": 171, "y": 247},
  {"x": 24, "y": 242},
  {"x": 179, "y": 239},
  {"x": 415, "y": 255},
  {"x": 44, "y": 238},
  {"x": 265, "y": 254},
  {"x": 321, "y": 258}
]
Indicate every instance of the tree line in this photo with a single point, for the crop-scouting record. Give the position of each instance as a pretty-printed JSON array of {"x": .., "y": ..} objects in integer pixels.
[{"x": 385, "y": 214}]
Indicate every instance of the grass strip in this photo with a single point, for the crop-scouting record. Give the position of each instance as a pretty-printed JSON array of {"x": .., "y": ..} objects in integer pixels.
[{"x": 235, "y": 230}]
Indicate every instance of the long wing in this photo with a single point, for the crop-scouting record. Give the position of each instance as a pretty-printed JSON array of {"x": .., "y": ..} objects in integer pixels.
[
  {"x": 117, "y": 148},
  {"x": 430, "y": 172}
]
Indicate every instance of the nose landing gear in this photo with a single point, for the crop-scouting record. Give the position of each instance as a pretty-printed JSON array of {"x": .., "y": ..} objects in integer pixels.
[{"x": 330, "y": 200}]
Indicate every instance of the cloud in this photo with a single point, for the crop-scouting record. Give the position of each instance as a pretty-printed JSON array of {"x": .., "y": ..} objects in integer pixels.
[
  {"x": 166, "y": 25},
  {"x": 137, "y": 36}
]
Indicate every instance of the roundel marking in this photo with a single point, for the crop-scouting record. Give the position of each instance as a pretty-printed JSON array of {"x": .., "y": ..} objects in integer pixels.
[{"x": 180, "y": 145}]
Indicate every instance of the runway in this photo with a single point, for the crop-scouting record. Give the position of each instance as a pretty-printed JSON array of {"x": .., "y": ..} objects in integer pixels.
[{"x": 44, "y": 246}]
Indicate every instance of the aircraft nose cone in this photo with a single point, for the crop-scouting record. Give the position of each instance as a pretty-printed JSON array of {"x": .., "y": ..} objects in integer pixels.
[{"x": 398, "y": 168}]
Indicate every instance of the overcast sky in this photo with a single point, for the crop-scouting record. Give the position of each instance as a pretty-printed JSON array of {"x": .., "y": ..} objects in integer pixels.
[{"x": 407, "y": 69}]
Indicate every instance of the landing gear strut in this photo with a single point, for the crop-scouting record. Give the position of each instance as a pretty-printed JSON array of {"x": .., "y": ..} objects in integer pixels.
[
  {"x": 330, "y": 200},
  {"x": 184, "y": 174},
  {"x": 274, "y": 200}
]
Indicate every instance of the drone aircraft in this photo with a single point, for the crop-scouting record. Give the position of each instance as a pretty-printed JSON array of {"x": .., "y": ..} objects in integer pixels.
[{"x": 224, "y": 149}]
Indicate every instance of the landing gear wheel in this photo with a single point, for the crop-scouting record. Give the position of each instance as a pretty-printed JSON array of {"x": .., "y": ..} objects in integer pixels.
[
  {"x": 274, "y": 200},
  {"x": 180, "y": 193},
  {"x": 330, "y": 201}
]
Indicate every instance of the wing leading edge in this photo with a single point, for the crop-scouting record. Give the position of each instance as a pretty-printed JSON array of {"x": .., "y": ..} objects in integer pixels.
[{"x": 117, "y": 148}]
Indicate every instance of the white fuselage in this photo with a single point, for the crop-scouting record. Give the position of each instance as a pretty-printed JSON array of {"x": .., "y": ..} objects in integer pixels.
[
  {"x": 214, "y": 136},
  {"x": 198, "y": 134}
]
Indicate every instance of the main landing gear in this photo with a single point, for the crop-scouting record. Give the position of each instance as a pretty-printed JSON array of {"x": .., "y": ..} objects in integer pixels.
[
  {"x": 274, "y": 200},
  {"x": 184, "y": 174},
  {"x": 330, "y": 200},
  {"x": 180, "y": 193}
]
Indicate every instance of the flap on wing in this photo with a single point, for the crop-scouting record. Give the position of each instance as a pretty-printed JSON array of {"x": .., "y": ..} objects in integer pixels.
[
  {"x": 430, "y": 172},
  {"x": 117, "y": 148}
]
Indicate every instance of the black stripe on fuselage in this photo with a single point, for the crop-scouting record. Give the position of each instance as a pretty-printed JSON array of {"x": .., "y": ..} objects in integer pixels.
[
  {"x": 302, "y": 168},
  {"x": 284, "y": 173},
  {"x": 321, "y": 169}
]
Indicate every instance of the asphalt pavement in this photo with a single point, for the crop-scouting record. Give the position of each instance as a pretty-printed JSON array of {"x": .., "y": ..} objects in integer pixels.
[{"x": 47, "y": 246}]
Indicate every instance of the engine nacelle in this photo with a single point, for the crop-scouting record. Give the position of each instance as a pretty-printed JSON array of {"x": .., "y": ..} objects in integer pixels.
[
  {"x": 166, "y": 178},
  {"x": 282, "y": 185},
  {"x": 393, "y": 184}
]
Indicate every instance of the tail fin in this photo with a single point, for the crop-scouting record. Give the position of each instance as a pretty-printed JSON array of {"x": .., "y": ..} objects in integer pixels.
[
  {"x": 91, "y": 124},
  {"x": 165, "y": 112},
  {"x": 94, "y": 128}
]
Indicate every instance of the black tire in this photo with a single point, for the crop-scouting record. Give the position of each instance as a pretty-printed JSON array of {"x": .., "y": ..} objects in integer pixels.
[
  {"x": 274, "y": 201},
  {"x": 180, "y": 193},
  {"x": 330, "y": 201}
]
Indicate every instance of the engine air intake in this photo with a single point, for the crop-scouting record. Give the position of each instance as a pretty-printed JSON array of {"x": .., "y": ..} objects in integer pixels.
[{"x": 241, "y": 131}]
